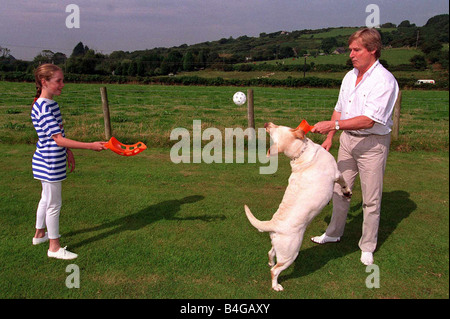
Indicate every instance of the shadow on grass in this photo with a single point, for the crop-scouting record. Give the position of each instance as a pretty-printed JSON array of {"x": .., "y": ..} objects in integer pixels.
[
  {"x": 163, "y": 210},
  {"x": 395, "y": 207}
]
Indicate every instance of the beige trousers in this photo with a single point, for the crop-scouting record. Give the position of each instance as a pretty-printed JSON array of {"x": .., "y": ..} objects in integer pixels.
[{"x": 366, "y": 156}]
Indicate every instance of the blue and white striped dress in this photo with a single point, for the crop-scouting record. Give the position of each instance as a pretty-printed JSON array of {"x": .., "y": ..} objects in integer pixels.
[{"x": 49, "y": 160}]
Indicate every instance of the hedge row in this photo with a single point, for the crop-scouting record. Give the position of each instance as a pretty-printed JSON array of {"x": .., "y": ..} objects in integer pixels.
[
  {"x": 268, "y": 67},
  {"x": 218, "y": 81},
  {"x": 178, "y": 80},
  {"x": 68, "y": 77}
]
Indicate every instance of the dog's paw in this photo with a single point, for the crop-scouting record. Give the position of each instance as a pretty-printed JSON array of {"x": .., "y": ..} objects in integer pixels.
[{"x": 278, "y": 287}]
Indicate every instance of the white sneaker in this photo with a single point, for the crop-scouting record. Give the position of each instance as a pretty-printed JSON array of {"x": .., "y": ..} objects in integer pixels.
[
  {"x": 366, "y": 258},
  {"x": 37, "y": 241},
  {"x": 62, "y": 253},
  {"x": 325, "y": 239}
]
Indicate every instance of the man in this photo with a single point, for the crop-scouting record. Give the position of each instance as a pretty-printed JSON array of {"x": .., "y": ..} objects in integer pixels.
[{"x": 364, "y": 112}]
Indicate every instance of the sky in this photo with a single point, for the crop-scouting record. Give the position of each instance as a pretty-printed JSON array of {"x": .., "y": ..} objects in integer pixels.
[{"x": 28, "y": 27}]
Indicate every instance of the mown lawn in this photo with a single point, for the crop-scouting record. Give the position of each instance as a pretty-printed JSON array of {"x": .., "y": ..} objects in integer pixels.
[{"x": 145, "y": 227}]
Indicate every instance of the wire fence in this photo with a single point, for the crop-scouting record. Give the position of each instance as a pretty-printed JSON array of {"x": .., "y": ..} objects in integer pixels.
[
  {"x": 147, "y": 111},
  {"x": 163, "y": 96}
]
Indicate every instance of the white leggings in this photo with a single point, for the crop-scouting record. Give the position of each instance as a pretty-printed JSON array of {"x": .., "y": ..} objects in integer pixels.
[{"x": 49, "y": 207}]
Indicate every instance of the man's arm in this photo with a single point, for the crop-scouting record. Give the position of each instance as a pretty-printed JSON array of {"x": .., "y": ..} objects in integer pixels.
[
  {"x": 329, "y": 127},
  {"x": 355, "y": 123}
]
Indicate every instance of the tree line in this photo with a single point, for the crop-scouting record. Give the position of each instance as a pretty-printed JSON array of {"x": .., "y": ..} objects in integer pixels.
[{"x": 230, "y": 54}]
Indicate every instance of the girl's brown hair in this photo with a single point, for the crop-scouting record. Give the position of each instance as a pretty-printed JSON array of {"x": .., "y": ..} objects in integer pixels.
[
  {"x": 44, "y": 71},
  {"x": 370, "y": 39}
]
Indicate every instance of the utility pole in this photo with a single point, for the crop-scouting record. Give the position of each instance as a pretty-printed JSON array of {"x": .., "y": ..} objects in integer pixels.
[
  {"x": 417, "y": 40},
  {"x": 304, "y": 67}
]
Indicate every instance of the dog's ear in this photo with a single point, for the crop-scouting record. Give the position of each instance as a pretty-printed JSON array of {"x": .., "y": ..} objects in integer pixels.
[{"x": 298, "y": 133}]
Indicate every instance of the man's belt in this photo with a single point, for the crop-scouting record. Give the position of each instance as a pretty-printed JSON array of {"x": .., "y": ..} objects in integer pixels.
[{"x": 358, "y": 135}]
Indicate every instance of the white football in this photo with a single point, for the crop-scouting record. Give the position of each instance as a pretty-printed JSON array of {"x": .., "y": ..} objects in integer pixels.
[{"x": 239, "y": 98}]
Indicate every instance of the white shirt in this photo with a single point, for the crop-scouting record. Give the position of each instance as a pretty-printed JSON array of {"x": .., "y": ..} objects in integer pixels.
[{"x": 373, "y": 97}]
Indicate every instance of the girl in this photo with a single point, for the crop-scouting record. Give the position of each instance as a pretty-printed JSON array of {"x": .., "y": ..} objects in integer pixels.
[{"x": 49, "y": 160}]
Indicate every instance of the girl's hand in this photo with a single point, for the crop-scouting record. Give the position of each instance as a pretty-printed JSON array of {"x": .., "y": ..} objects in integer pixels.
[
  {"x": 98, "y": 146},
  {"x": 70, "y": 160}
]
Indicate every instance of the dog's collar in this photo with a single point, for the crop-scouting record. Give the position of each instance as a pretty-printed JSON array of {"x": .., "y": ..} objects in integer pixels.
[{"x": 305, "y": 146}]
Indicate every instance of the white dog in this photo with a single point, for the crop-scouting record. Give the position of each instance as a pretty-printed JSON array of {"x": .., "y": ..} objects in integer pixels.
[{"x": 314, "y": 173}]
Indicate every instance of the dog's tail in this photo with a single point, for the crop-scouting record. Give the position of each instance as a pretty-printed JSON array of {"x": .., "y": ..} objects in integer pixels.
[{"x": 262, "y": 226}]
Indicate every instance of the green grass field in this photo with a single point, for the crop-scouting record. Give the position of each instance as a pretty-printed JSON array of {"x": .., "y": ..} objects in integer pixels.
[
  {"x": 145, "y": 227},
  {"x": 394, "y": 56},
  {"x": 150, "y": 113}
]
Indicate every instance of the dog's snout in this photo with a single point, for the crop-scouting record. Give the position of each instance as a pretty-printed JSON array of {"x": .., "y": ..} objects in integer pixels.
[{"x": 268, "y": 126}]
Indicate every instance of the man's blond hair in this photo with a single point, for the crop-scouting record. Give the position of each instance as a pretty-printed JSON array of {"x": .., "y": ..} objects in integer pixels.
[{"x": 370, "y": 39}]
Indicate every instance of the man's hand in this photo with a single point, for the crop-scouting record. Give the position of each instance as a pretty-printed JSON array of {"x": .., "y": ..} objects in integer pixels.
[
  {"x": 323, "y": 127},
  {"x": 327, "y": 143}
]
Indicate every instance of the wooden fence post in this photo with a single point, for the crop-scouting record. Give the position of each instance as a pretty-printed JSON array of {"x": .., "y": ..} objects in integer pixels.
[
  {"x": 106, "y": 116},
  {"x": 396, "y": 117},
  {"x": 250, "y": 111}
]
